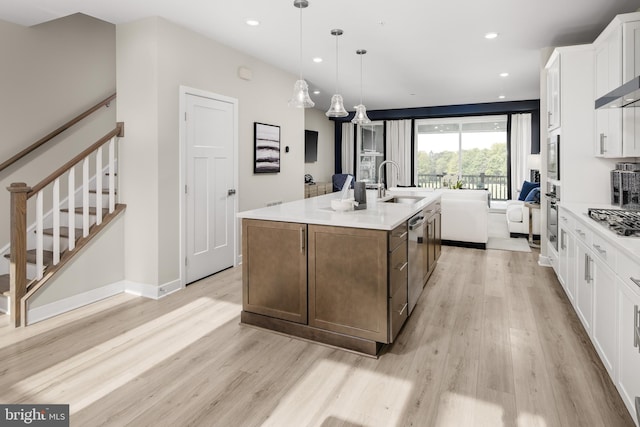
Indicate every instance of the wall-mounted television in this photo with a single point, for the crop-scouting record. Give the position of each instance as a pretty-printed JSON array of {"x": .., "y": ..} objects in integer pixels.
[{"x": 310, "y": 146}]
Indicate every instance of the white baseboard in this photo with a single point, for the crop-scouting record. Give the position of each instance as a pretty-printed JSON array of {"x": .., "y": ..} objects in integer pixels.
[
  {"x": 151, "y": 291},
  {"x": 67, "y": 304},
  {"x": 544, "y": 261},
  {"x": 46, "y": 311}
]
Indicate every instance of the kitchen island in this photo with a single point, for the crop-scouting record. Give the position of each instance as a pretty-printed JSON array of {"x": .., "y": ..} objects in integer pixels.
[{"x": 339, "y": 278}]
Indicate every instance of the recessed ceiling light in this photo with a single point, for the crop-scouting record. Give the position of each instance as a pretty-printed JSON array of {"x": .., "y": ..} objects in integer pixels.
[
  {"x": 317, "y": 60},
  {"x": 316, "y": 92},
  {"x": 501, "y": 96},
  {"x": 491, "y": 36},
  {"x": 504, "y": 74},
  {"x": 252, "y": 22}
]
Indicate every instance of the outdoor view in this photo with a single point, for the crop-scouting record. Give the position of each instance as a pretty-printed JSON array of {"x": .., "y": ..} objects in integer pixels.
[{"x": 470, "y": 153}]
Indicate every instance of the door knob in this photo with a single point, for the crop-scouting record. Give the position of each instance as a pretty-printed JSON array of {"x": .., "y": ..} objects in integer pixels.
[{"x": 231, "y": 192}]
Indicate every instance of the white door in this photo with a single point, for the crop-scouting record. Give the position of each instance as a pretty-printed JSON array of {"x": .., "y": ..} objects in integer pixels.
[{"x": 210, "y": 194}]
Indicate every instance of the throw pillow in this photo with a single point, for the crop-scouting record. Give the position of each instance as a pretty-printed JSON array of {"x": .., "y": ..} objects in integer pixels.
[
  {"x": 533, "y": 196},
  {"x": 526, "y": 188}
]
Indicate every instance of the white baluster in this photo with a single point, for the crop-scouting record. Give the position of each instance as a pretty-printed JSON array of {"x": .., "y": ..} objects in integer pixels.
[
  {"x": 71, "y": 204},
  {"x": 99, "y": 186},
  {"x": 56, "y": 221},
  {"x": 112, "y": 175},
  {"x": 85, "y": 197},
  {"x": 39, "y": 238}
]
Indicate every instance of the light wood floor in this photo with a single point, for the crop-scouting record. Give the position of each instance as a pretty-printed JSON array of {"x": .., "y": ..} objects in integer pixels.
[{"x": 492, "y": 342}]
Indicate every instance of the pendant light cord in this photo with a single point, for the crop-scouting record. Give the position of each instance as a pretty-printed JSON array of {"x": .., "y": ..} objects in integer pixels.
[
  {"x": 361, "y": 78},
  {"x": 337, "y": 35},
  {"x": 300, "y": 43}
]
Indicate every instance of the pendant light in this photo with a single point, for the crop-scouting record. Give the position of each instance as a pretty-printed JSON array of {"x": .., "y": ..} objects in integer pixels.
[
  {"x": 361, "y": 117},
  {"x": 301, "y": 98},
  {"x": 337, "y": 104}
]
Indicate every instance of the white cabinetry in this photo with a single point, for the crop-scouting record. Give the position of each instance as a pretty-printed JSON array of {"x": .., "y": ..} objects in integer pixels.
[
  {"x": 553, "y": 92},
  {"x": 605, "y": 283},
  {"x": 604, "y": 306},
  {"x": 617, "y": 60},
  {"x": 567, "y": 256},
  {"x": 628, "y": 378},
  {"x": 608, "y": 77},
  {"x": 584, "y": 287},
  {"x": 583, "y": 178}
]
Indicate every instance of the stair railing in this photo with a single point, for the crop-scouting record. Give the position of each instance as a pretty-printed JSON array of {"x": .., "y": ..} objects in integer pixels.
[
  {"x": 21, "y": 193},
  {"x": 104, "y": 103}
]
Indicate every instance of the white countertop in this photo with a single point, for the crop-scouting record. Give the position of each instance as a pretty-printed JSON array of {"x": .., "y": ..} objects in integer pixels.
[
  {"x": 630, "y": 245},
  {"x": 378, "y": 215}
]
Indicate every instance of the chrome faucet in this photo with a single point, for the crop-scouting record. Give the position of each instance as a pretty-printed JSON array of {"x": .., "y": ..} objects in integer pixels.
[{"x": 381, "y": 189}]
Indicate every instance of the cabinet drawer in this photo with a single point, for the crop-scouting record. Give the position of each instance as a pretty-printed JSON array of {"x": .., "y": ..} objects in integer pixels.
[
  {"x": 398, "y": 269},
  {"x": 604, "y": 250},
  {"x": 566, "y": 221},
  {"x": 397, "y": 236},
  {"x": 629, "y": 271},
  {"x": 583, "y": 233},
  {"x": 398, "y": 312}
]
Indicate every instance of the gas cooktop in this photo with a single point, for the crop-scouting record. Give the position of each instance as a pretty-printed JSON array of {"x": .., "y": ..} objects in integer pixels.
[{"x": 621, "y": 221}]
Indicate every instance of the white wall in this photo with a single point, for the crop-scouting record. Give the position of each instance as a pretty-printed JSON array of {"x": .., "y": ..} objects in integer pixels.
[
  {"x": 324, "y": 168},
  {"x": 101, "y": 263},
  {"x": 50, "y": 73},
  {"x": 154, "y": 58}
]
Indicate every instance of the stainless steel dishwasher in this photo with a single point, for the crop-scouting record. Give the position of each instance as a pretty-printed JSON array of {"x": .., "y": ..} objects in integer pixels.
[{"x": 417, "y": 258}]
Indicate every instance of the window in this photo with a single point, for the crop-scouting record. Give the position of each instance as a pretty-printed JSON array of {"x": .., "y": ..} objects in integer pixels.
[{"x": 467, "y": 152}]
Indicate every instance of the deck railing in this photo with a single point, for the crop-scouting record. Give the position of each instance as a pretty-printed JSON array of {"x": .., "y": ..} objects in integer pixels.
[{"x": 496, "y": 184}]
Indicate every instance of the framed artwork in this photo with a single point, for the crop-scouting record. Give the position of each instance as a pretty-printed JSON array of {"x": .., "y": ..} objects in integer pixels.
[{"x": 267, "y": 148}]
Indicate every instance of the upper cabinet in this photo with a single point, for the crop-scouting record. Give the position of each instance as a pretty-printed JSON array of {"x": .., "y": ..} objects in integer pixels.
[
  {"x": 553, "y": 92},
  {"x": 617, "y": 60}
]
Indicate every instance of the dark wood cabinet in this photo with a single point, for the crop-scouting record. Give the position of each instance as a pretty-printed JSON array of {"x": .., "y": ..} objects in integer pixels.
[
  {"x": 274, "y": 269},
  {"x": 434, "y": 239},
  {"x": 348, "y": 290}
]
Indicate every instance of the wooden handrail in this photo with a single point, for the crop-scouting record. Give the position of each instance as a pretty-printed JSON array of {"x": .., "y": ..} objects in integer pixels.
[
  {"x": 117, "y": 131},
  {"x": 56, "y": 132}
]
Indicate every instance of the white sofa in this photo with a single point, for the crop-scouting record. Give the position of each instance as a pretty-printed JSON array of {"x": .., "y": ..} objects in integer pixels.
[
  {"x": 465, "y": 217},
  {"x": 518, "y": 218}
]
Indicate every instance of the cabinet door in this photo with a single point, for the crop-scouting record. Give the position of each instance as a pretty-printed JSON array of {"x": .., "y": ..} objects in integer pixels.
[
  {"x": 604, "y": 314},
  {"x": 274, "y": 269},
  {"x": 628, "y": 378},
  {"x": 567, "y": 263},
  {"x": 553, "y": 94},
  {"x": 348, "y": 281},
  {"x": 584, "y": 287},
  {"x": 608, "y": 77}
]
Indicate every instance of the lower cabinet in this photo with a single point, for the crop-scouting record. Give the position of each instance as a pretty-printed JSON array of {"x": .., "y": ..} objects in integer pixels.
[
  {"x": 584, "y": 287},
  {"x": 628, "y": 316},
  {"x": 274, "y": 269},
  {"x": 348, "y": 282},
  {"x": 604, "y": 314},
  {"x": 567, "y": 263},
  {"x": 342, "y": 286},
  {"x": 434, "y": 239}
]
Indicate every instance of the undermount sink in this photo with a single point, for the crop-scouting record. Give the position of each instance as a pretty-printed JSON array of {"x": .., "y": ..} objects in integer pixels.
[{"x": 407, "y": 200}]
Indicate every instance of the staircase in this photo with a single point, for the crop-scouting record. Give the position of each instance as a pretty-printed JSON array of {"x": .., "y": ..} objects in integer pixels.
[{"x": 76, "y": 213}]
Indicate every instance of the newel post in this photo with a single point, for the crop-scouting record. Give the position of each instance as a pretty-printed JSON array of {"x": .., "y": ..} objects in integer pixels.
[{"x": 18, "y": 259}]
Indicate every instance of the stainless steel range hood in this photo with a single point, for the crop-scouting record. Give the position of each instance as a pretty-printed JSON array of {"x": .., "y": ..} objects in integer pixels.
[{"x": 625, "y": 96}]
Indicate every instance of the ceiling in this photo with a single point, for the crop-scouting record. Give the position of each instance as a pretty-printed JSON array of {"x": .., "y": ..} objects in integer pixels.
[{"x": 420, "y": 53}]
